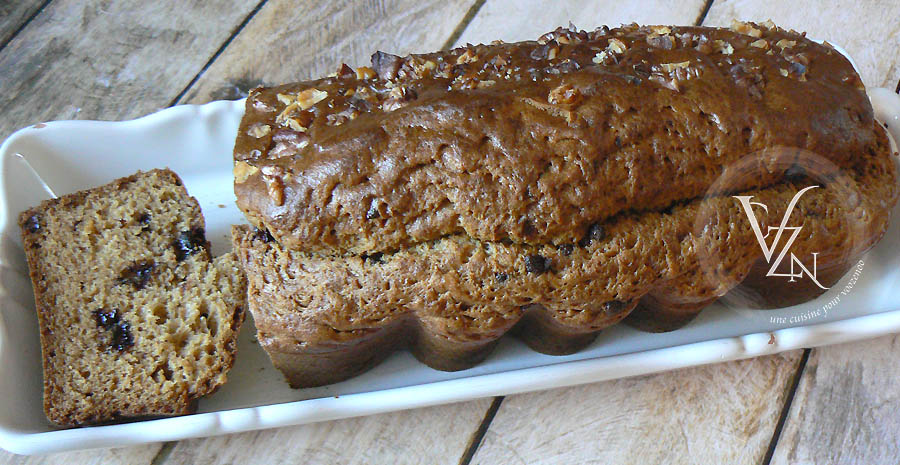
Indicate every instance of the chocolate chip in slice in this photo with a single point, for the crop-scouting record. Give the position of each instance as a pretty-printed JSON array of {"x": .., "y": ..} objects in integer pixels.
[
  {"x": 33, "y": 223},
  {"x": 137, "y": 274},
  {"x": 594, "y": 233},
  {"x": 188, "y": 243},
  {"x": 537, "y": 264},
  {"x": 106, "y": 318},
  {"x": 121, "y": 336}
]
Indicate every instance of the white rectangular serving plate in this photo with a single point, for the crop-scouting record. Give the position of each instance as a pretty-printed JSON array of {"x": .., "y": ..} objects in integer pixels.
[{"x": 196, "y": 142}]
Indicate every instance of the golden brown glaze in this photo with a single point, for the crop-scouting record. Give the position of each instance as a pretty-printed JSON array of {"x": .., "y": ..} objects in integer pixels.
[{"x": 534, "y": 142}]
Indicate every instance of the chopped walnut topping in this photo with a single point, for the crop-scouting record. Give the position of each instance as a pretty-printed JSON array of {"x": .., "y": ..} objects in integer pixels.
[
  {"x": 486, "y": 83},
  {"x": 768, "y": 24},
  {"x": 287, "y": 143},
  {"x": 285, "y": 99},
  {"x": 661, "y": 30},
  {"x": 274, "y": 176},
  {"x": 468, "y": 57},
  {"x": 784, "y": 43},
  {"x": 552, "y": 52},
  {"x": 242, "y": 171},
  {"x": 342, "y": 71},
  {"x": 397, "y": 98},
  {"x": 723, "y": 47},
  {"x": 761, "y": 43},
  {"x": 783, "y": 72},
  {"x": 337, "y": 119},
  {"x": 564, "y": 95},
  {"x": 745, "y": 28},
  {"x": 294, "y": 124},
  {"x": 364, "y": 73},
  {"x": 386, "y": 65},
  {"x": 310, "y": 97},
  {"x": 671, "y": 67},
  {"x": 600, "y": 57},
  {"x": 258, "y": 130},
  {"x": 497, "y": 42},
  {"x": 664, "y": 42},
  {"x": 616, "y": 46},
  {"x": 671, "y": 84}
]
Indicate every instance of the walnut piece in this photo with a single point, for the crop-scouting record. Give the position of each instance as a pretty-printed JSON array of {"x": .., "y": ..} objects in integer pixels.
[
  {"x": 761, "y": 43},
  {"x": 745, "y": 28},
  {"x": 600, "y": 57},
  {"x": 468, "y": 57},
  {"x": 784, "y": 43},
  {"x": 564, "y": 95},
  {"x": 272, "y": 176},
  {"x": 258, "y": 130},
  {"x": 616, "y": 46},
  {"x": 671, "y": 67},
  {"x": 723, "y": 47},
  {"x": 310, "y": 97},
  {"x": 364, "y": 73},
  {"x": 243, "y": 170}
]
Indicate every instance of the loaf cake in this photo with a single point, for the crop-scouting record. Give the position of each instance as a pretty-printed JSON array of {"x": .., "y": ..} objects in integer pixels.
[
  {"x": 136, "y": 318},
  {"x": 547, "y": 188}
]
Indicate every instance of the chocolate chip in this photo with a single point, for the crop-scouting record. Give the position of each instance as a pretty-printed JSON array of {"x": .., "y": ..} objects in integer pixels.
[
  {"x": 33, "y": 223},
  {"x": 263, "y": 235},
  {"x": 386, "y": 65},
  {"x": 138, "y": 274},
  {"x": 106, "y": 319},
  {"x": 501, "y": 277},
  {"x": 594, "y": 233},
  {"x": 375, "y": 257},
  {"x": 566, "y": 249},
  {"x": 188, "y": 243},
  {"x": 121, "y": 336},
  {"x": 537, "y": 264},
  {"x": 144, "y": 221}
]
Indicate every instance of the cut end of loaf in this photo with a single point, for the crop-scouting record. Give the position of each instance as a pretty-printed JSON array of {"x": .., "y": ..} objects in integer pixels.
[{"x": 136, "y": 318}]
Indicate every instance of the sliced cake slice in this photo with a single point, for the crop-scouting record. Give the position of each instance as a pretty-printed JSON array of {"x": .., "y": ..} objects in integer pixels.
[{"x": 136, "y": 318}]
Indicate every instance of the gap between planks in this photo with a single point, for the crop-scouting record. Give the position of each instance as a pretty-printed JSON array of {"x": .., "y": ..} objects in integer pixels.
[
  {"x": 237, "y": 30},
  {"x": 24, "y": 24}
]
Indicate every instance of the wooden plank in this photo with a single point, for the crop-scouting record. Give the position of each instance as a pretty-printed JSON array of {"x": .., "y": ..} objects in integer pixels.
[
  {"x": 109, "y": 60},
  {"x": 135, "y": 455},
  {"x": 515, "y": 20},
  {"x": 427, "y": 436},
  {"x": 845, "y": 408},
  {"x": 867, "y": 30},
  {"x": 289, "y": 40},
  {"x": 724, "y": 413},
  {"x": 13, "y": 14}
]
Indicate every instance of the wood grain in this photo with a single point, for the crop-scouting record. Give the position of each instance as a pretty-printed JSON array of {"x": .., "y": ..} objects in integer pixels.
[
  {"x": 136, "y": 455},
  {"x": 290, "y": 41},
  {"x": 99, "y": 59},
  {"x": 13, "y": 14},
  {"x": 724, "y": 413},
  {"x": 515, "y": 20},
  {"x": 845, "y": 408},
  {"x": 434, "y": 435},
  {"x": 868, "y": 30}
]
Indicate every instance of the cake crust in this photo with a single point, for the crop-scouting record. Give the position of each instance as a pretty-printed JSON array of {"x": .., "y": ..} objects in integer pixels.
[{"x": 535, "y": 142}]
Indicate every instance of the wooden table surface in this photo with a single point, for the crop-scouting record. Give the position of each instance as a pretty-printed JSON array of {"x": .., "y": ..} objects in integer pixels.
[{"x": 113, "y": 60}]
